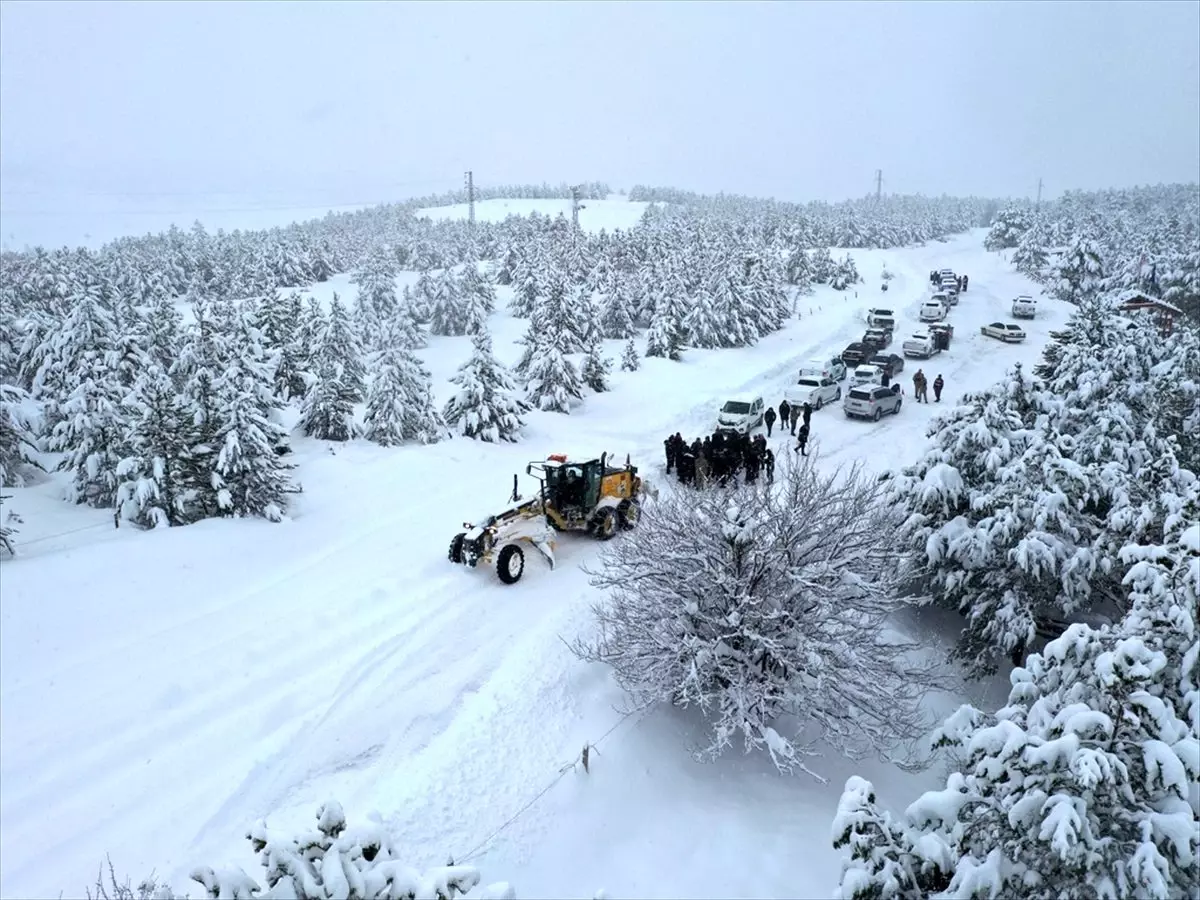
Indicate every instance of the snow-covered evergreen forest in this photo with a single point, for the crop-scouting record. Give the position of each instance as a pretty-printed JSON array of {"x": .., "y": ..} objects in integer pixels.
[
  {"x": 1062, "y": 494},
  {"x": 157, "y": 371},
  {"x": 169, "y": 419}
]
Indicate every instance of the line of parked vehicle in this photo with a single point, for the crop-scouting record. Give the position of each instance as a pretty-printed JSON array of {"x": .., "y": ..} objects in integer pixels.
[{"x": 873, "y": 392}]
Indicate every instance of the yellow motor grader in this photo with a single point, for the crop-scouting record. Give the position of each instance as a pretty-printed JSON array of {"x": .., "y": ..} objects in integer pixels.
[{"x": 589, "y": 496}]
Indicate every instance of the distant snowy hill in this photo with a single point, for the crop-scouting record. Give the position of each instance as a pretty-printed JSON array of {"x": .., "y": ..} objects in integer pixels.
[{"x": 594, "y": 215}]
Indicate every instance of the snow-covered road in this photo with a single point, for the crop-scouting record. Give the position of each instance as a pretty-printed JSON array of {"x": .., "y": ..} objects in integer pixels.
[{"x": 161, "y": 691}]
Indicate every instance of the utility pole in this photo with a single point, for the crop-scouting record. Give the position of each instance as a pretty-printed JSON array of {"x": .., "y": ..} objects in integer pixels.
[
  {"x": 878, "y": 184},
  {"x": 470, "y": 179},
  {"x": 576, "y": 206},
  {"x": 1039, "y": 196}
]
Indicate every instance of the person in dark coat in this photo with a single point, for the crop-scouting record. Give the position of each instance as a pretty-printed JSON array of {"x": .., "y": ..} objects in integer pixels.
[
  {"x": 807, "y": 414},
  {"x": 769, "y": 418},
  {"x": 938, "y": 384},
  {"x": 966, "y": 281},
  {"x": 886, "y": 380},
  {"x": 769, "y": 466},
  {"x": 785, "y": 414},
  {"x": 751, "y": 462},
  {"x": 802, "y": 440},
  {"x": 669, "y": 448},
  {"x": 686, "y": 463}
]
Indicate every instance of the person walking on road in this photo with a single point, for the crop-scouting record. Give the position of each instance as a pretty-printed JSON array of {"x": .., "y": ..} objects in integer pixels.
[
  {"x": 769, "y": 419},
  {"x": 802, "y": 440},
  {"x": 938, "y": 384}
]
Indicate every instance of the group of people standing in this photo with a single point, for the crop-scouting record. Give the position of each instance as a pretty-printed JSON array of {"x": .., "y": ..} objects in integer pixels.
[
  {"x": 921, "y": 388},
  {"x": 722, "y": 456},
  {"x": 960, "y": 281},
  {"x": 719, "y": 458}
]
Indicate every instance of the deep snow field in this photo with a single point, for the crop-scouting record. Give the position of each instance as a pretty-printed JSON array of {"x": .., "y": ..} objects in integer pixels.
[{"x": 161, "y": 691}]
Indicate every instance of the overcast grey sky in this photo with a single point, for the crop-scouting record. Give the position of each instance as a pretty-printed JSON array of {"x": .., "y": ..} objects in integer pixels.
[{"x": 178, "y": 107}]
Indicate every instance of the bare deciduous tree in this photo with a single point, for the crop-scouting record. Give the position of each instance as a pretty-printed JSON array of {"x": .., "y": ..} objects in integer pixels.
[{"x": 763, "y": 602}]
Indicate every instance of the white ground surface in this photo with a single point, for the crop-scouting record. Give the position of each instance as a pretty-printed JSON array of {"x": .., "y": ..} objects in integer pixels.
[
  {"x": 610, "y": 213},
  {"x": 159, "y": 692}
]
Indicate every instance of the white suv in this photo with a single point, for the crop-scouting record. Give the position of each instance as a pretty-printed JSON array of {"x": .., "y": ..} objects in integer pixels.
[
  {"x": 870, "y": 401},
  {"x": 741, "y": 415}
]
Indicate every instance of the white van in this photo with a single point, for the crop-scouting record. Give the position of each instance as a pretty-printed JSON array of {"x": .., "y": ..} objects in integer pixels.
[
  {"x": 933, "y": 311},
  {"x": 741, "y": 416}
]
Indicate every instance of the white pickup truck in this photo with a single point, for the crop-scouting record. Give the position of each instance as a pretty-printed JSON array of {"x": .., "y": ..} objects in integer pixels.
[
  {"x": 813, "y": 390},
  {"x": 1024, "y": 307},
  {"x": 920, "y": 345}
]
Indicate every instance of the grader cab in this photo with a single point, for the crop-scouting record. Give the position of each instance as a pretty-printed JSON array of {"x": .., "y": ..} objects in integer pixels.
[{"x": 584, "y": 496}]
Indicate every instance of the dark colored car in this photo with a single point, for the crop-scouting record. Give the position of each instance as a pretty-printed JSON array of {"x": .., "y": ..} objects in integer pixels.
[
  {"x": 877, "y": 337},
  {"x": 889, "y": 362},
  {"x": 856, "y": 353}
]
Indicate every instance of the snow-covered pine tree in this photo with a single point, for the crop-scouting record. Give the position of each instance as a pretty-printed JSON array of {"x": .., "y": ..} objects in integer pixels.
[
  {"x": 278, "y": 319},
  {"x": 333, "y": 860},
  {"x": 704, "y": 324},
  {"x": 422, "y": 298},
  {"x": 340, "y": 346},
  {"x": 91, "y": 434},
  {"x": 822, "y": 268},
  {"x": 477, "y": 289},
  {"x": 162, "y": 337},
  {"x": 312, "y": 324},
  {"x": 486, "y": 406},
  {"x": 376, "y": 303},
  {"x": 1080, "y": 271},
  {"x": 630, "y": 359},
  {"x": 667, "y": 333},
  {"x": 561, "y": 316},
  {"x": 1031, "y": 257},
  {"x": 129, "y": 343},
  {"x": 742, "y": 604},
  {"x": 409, "y": 332},
  {"x": 617, "y": 311},
  {"x": 400, "y": 405},
  {"x": 798, "y": 270},
  {"x": 153, "y": 489},
  {"x": 733, "y": 308},
  {"x": 327, "y": 413},
  {"x": 18, "y": 442},
  {"x": 552, "y": 382},
  {"x": 596, "y": 367},
  {"x": 526, "y": 297},
  {"x": 845, "y": 273},
  {"x": 976, "y": 531},
  {"x": 1008, "y": 228},
  {"x": 447, "y": 312},
  {"x": 254, "y": 478},
  {"x": 1083, "y": 785},
  {"x": 79, "y": 346},
  {"x": 201, "y": 360},
  {"x": 887, "y": 859}
]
